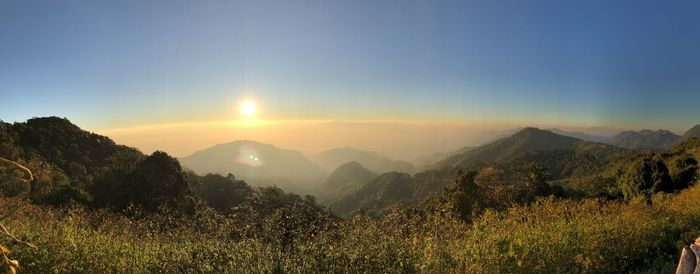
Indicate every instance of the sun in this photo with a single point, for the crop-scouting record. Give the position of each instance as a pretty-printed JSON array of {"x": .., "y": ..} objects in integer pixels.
[{"x": 248, "y": 108}]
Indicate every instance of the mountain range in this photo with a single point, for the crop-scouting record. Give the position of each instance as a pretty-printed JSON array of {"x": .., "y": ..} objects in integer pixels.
[
  {"x": 645, "y": 139},
  {"x": 652, "y": 139},
  {"x": 69, "y": 159},
  {"x": 581, "y": 135},
  {"x": 344, "y": 180},
  {"x": 259, "y": 164},
  {"x": 430, "y": 159},
  {"x": 526, "y": 140},
  {"x": 333, "y": 158},
  {"x": 562, "y": 156}
]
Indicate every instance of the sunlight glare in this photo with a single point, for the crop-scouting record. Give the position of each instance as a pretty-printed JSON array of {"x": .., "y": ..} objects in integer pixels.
[{"x": 248, "y": 108}]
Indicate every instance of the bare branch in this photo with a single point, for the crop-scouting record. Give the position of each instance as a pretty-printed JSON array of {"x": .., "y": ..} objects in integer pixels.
[
  {"x": 3, "y": 231},
  {"x": 29, "y": 172}
]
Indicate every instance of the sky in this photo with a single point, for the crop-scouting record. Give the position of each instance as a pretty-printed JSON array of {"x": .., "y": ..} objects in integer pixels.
[{"x": 116, "y": 65}]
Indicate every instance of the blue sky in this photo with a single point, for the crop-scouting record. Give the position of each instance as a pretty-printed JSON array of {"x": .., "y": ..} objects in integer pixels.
[{"x": 110, "y": 64}]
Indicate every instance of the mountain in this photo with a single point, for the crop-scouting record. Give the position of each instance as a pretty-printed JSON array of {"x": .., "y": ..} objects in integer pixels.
[
  {"x": 259, "y": 164},
  {"x": 430, "y": 159},
  {"x": 349, "y": 173},
  {"x": 73, "y": 165},
  {"x": 385, "y": 190},
  {"x": 563, "y": 157},
  {"x": 581, "y": 135},
  {"x": 601, "y": 131},
  {"x": 333, "y": 158},
  {"x": 526, "y": 140},
  {"x": 692, "y": 132},
  {"x": 645, "y": 139},
  {"x": 344, "y": 180}
]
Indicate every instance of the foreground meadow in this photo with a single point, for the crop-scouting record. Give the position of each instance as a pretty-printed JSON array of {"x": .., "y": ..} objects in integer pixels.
[{"x": 551, "y": 235}]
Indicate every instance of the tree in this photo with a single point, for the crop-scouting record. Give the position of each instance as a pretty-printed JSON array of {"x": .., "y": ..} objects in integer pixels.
[
  {"x": 490, "y": 176},
  {"x": 462, "y": 196},
  {"x": 112, "y": 183},
  {"x": 645, "y": 177},
  {"x": 159, "y": 181},
  {"x": 684, "y": 172},
  {"x": 223, "y": 193},
  {"x": 531, "y": 181}
]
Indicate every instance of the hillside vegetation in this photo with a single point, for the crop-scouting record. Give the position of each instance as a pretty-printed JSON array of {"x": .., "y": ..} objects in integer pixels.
[
  {"x": 97, "y": 207},
  {"x": 574, "y": 166},
  {"x": 551, "y": 235}
]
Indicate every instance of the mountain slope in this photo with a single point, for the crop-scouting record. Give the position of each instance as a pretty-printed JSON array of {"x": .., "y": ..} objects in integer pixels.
[
  {"x": 692, "y": 132},
  {"x": 525, "y": 140},
  {"x": 333, "y": 158},
  {"x": 349, "y": 173},
  {"x": 645, "y": 139},
  {"x": 387, "y": 189},
  {"x": 344, "y": 180},
  {"x": 258, "y": 164},
  {"x": 73, "y": 165},
  {"x": 430, "y": 159},
  {"x": 563, "y": 157}
]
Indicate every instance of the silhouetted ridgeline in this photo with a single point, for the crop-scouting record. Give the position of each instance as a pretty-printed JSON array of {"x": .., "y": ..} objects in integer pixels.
[{"x": 73, "y": 165}]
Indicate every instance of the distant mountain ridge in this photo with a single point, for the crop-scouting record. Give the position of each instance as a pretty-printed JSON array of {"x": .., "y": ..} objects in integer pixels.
[
  {"x": 333, "y": 158},
  {"x": 645, "y": 139},
  {"x": 258, "y": 164},
  {"x": 430, "y": 159},
  {"x": 692, "y": 132},
  {"x": 345, "y": 179},
  {"x": 581, "y": 135},
  {"x": 387, "y": 189},
  {"x": 526, "y": 140},
  {"x": 563, "y": 157},
  {"x": 349, "y": 173}
]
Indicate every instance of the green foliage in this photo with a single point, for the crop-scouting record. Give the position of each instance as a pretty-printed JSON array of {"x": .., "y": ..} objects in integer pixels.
[
  {"x": 462, "y": 197},
  {"x": 221, "y": 193},
  {"x": 548, "y": 236},
  {"x": 502, "y": 219},
  {"x": 159, "y": 181},
  {"x": 531, "y": 181},
  {"x": 645, "y": 177},
  {"x": 684, "y": 171}
]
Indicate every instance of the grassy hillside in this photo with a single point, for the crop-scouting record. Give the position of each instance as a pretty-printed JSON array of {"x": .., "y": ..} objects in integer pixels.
[{"x": 591, "y": 236}]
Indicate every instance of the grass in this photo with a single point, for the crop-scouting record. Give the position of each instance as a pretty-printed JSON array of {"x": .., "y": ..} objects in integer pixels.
[{"x": 549, "y": 236}]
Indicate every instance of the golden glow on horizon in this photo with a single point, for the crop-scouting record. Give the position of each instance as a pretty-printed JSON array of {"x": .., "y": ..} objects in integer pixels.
[{"x": 248, "y": 109}]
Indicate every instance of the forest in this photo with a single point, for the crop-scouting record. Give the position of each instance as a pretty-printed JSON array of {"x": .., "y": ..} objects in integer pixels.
[{"x": 94, "y": 206}]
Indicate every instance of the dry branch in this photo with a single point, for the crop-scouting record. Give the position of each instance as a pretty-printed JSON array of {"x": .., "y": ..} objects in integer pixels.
[
  {"x": 12, "y": 265},
  {"x": 25, "y": 169}
]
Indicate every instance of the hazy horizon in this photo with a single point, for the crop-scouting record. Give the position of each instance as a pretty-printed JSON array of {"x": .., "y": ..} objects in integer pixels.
[
  {"x": 112, "y": 65},
  {"x": 401, "y": 140}
]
